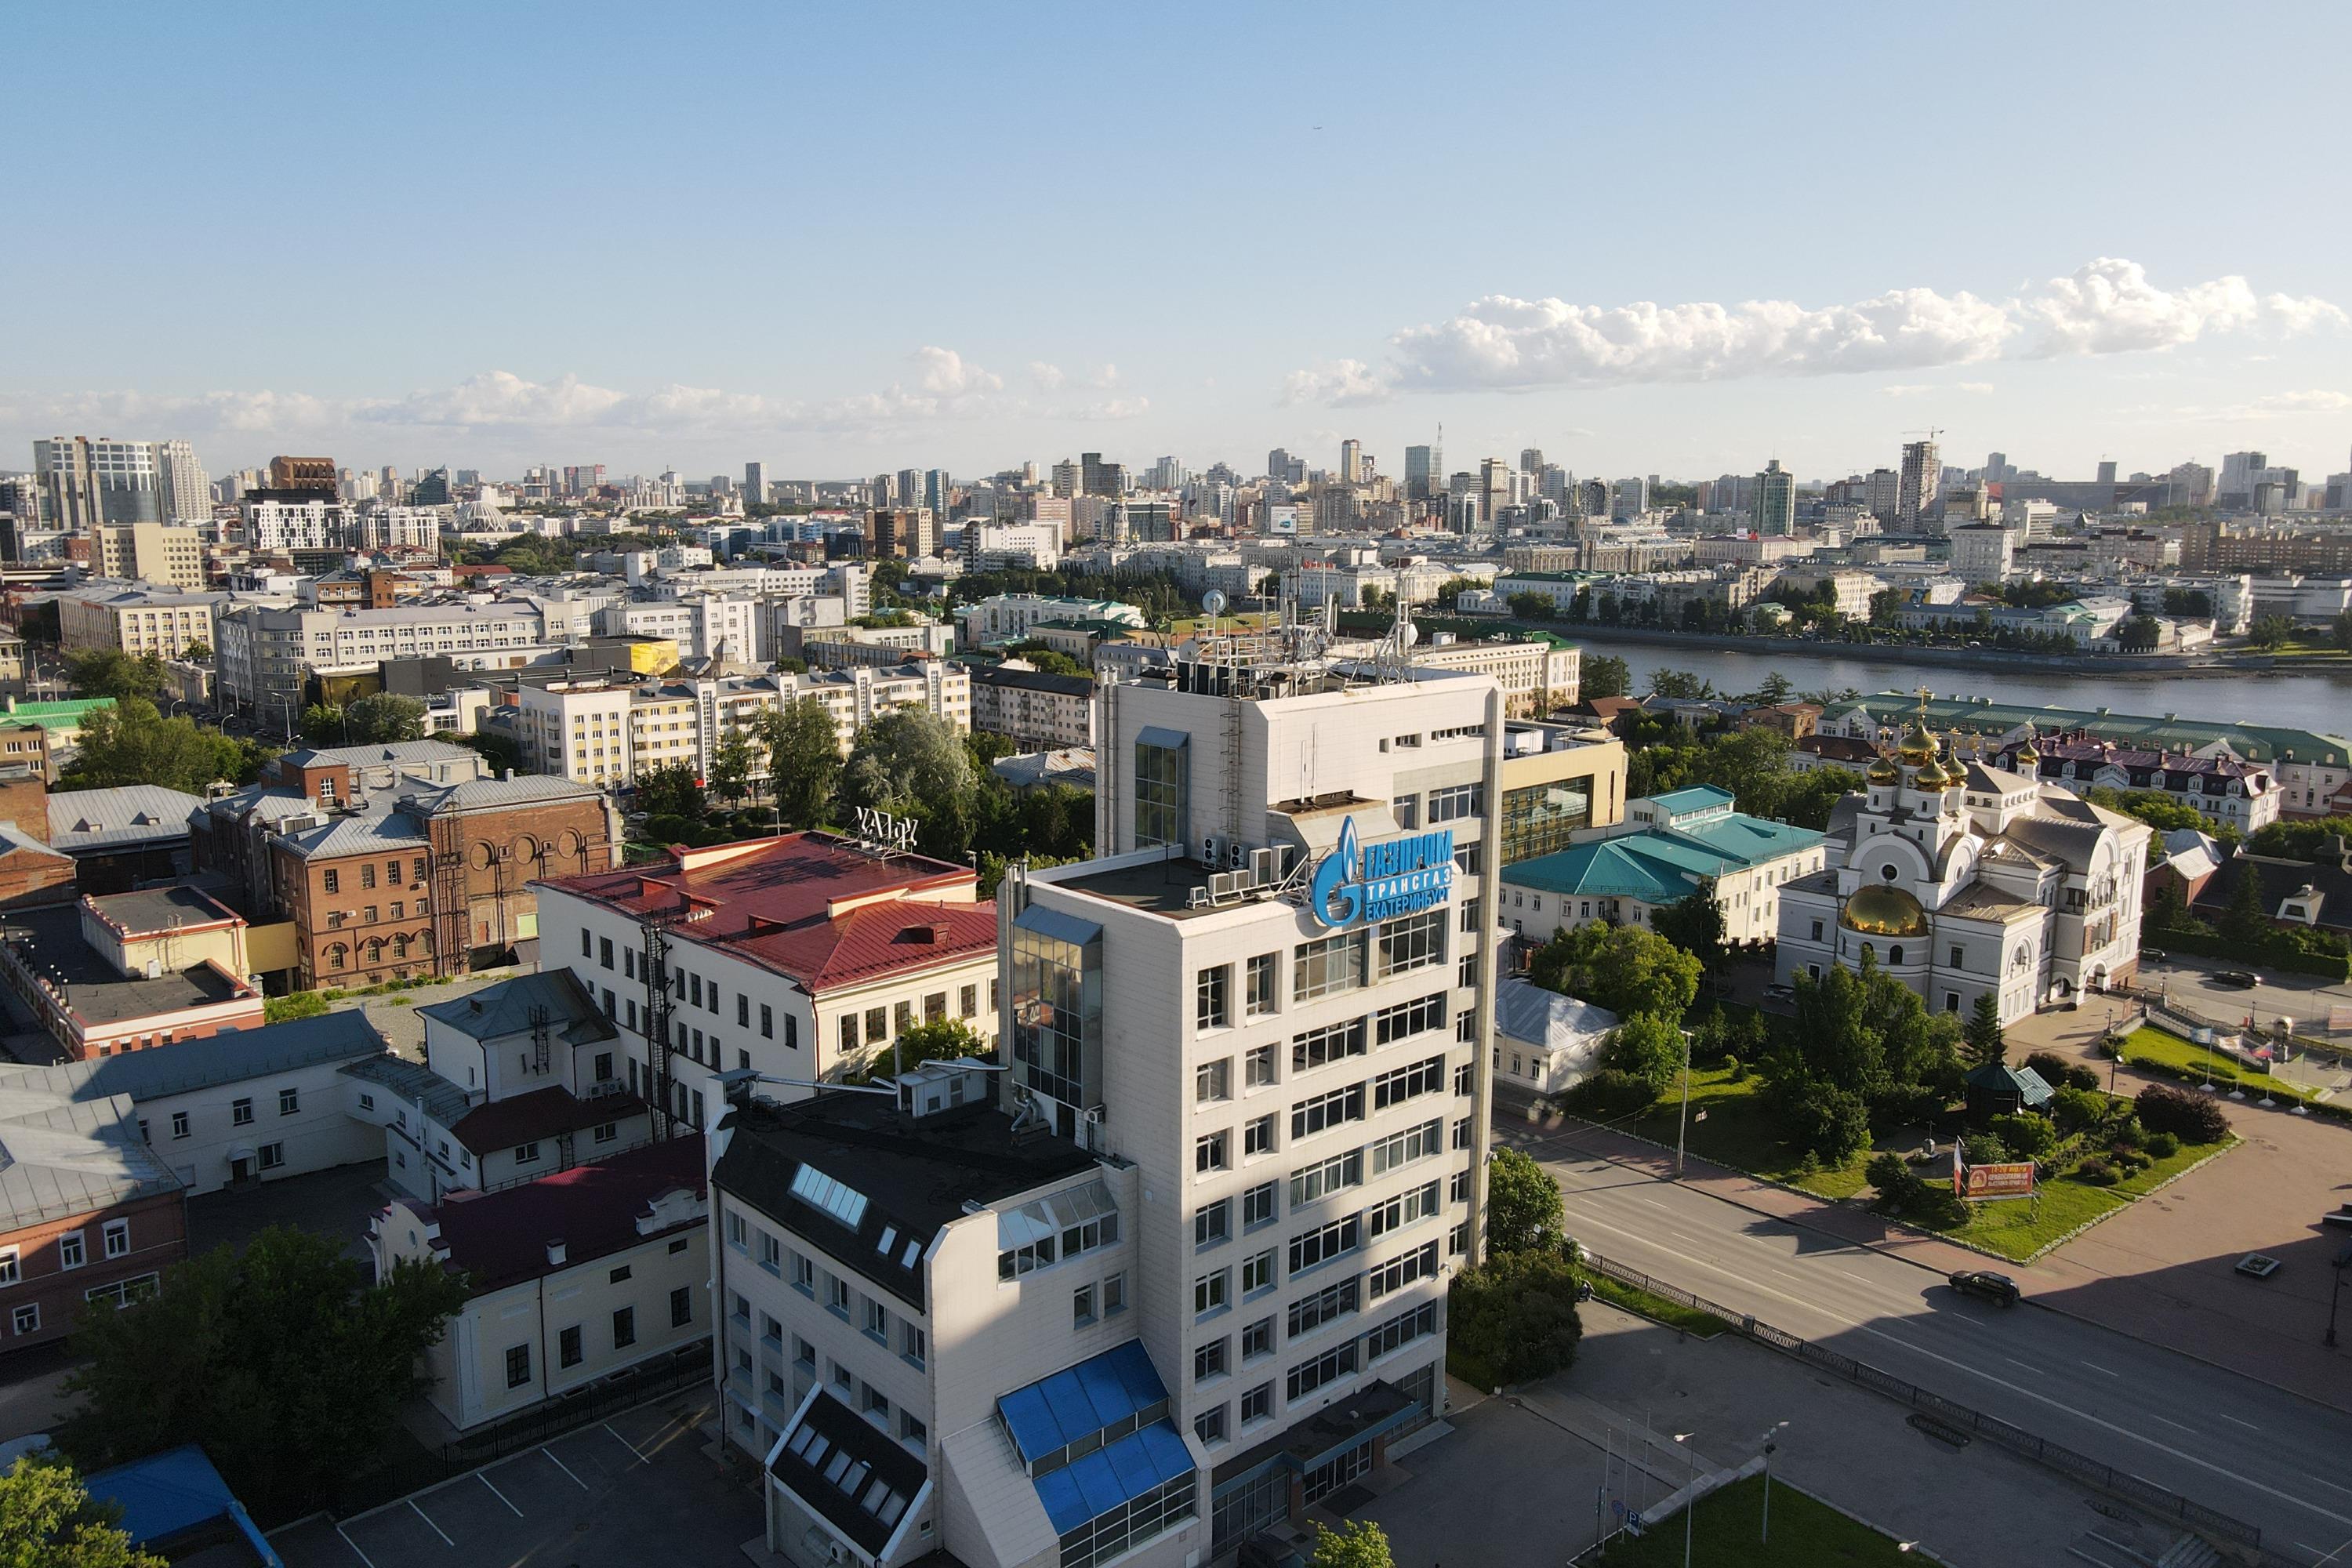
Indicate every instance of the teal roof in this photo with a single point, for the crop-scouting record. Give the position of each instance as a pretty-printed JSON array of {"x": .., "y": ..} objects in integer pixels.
[
  {"x": 1659, "y": 865},
  {"x": 1698, "y": 797}
]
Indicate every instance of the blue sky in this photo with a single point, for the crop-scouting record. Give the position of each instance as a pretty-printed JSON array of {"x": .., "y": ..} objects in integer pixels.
[{"x": 841, "y": 239}]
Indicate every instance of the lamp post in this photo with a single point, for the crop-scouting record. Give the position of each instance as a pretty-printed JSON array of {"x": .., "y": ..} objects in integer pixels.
[
  {"x": 1682, "y": 1126},
  {"x": 1690, "y": 1502},
  {"x": 2342, "y": 1259},
  {"x": 1772, "y": 1441}
]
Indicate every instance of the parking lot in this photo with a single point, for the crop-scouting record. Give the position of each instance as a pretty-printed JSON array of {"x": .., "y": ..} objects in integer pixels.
[{"x": 614, "y": 1494}]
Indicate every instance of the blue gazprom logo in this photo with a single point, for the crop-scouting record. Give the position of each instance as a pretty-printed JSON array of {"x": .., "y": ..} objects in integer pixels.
[{"x": 1395, "y": 877}]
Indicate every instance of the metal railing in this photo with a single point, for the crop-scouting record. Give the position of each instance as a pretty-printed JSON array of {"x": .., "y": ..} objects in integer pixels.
[{"x": 2168, "y": 1505}]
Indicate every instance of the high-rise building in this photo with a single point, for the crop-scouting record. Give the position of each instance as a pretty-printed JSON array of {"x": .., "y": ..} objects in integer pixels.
[
  {"x": 1352, "y": 462},
  {"x": 294, "y": 478},
  {"x": 1881, "y": 490},
  {"x": 1531, "y": 461},
  {"x": 149, "y": 552},
  {"x": 1425, "y": 477},
  {"x": 1996, "y": 467},
  {"x": 187, "y": 494},
  {"x": 2106, "y": 473},
  {"x": 1630, "y": 498},
  {"x": 936, "y": 487},
  {"x": 1496, "y": 487},
  {"x": 86, "y": 482},
  {"x": 1097, "y": 478},
  {"x": 1775, "y": 512},
  {"x": 1915, "y": 496},
  {"x": 755, "y": 484},
  {"x": 433, "y": 489}
]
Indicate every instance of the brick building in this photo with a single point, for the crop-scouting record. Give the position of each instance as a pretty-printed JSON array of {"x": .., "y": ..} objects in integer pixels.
[{"x": 87, "y": 1213}]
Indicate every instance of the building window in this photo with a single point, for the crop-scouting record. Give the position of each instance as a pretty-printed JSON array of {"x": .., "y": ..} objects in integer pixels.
[
  {"x": 1315, "y": 1183},
  {"x": 767, "y": 1021},
  {"x": 567, "y": 1346},
  {"x": 1212, "y": 1292},
  {"x": 1456, "y": 801},
  {"x": 1210, "y": 1424},
  {"x": 241, "y": 1112},
  {"x": 1262, "y": 981},
  {"x": 1213, "y": 1081},
  {"x": 518, "y": 1365},
  {"x": 1114, "y": 1295},
  {"x": 1258, "y": 1206},
  {"x": 179, "y": 1125},
  {"x": 1330, "y": 1366},
  {"x": 621, "y": 1276},
  {"x": 334, "y": 881},
  {"x": 26, "y": 1320},
  {"x": 1209, "y": 1361},
  {"x": 1257, "y": 1067},
  {"x": 1331, "y": 1043},
  {"x": 1312, "y": 1249},
  {"x": 1257, "y": 1136},
  {"x": 289, "y": 1102},
  {"x": 1258, "y": 1402},
  {"x": 1212, "y": 998},
  {"x": 1328, "y": 965},
  {"x": 1082, "y": 1306},
  {"x": 1414, "y": 942},
  {"x": 1257, "y": 1273},
  {"x": 1214, "y": 1153},
  {"x": 1328, "y": 1305},
  {"x": 1159, "y": 781},
  {"x": 115, "y": 1237},
  {"x": 527, "y": 1153},
  {"x": 1213, "y": 1224},
  {"x": 624, "y": 1328},
  {"x": 681, "y": 1307},
  {"x": 1322, "y": 1111},
  {"x": 273, "y": 1156}
]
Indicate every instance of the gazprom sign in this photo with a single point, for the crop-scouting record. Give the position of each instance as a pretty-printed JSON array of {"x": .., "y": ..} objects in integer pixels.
[{"x": 1355, "y": 885}]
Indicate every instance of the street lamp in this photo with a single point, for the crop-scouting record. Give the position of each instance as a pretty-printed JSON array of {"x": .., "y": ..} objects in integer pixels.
[
  {"x": 2342, "y": 1259},
  {"x": 1690, "y": 1502},
  {"x": 1771, "y": 1443},
  {"x": 1682, "y": 1126}
]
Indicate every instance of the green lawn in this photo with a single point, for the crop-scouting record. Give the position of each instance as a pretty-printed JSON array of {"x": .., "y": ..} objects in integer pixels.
[
  {"x": 1728, "y": 1524},
  {"x": 2152, "y": 1045},
  {"x": 1738, "y": 1131},
  {"x": 1657, "y": 1308},
  {"x": 2017, "y": 1229}
]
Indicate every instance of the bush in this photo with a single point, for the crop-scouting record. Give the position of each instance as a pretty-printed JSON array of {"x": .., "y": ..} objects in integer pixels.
[
  {"x": 2076, "y": 1108},
  {"x": 2051, "y": 1066},
  {"x": 2163, "y": 1145},
  {"x": 1738, "y": 1069},
  {"x": 1830, "y": 1123},
  {"x": 1517, "y": 1315},
  {"x": 2188, "y": 1115},
  {"x": 2079, "y": 1077},
  {"x": 1611, "y": 1095},
  {"x": 2096, "y": 1172},
  {"x": 1898, "y": 1187},
  {"x": 2026, "y": 1136},
  {"x": 1983, "y": 1149}
]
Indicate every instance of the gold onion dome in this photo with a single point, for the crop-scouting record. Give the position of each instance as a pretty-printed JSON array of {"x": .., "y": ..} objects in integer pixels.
[
  {"x": 1882, "y": 910},
  {"x": 1884, "y": 772},
  {"x": 1917, "y": 745},
  {"x": 1931, "y": 776}
]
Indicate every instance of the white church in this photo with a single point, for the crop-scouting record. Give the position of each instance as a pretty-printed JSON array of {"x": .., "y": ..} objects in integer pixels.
[{"x": 1958, "y": 877}]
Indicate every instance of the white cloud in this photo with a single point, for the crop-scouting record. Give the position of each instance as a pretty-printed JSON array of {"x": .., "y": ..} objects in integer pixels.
[
  {"x": 1907, "y": 389},
  {"x": 1507, "y": 344},
  {"x": 946, "y": 386},
  {"x": 1980, "y": 388},
  {"x": 2276, "y": 406},
  {"x": 1046, "y": 376}
]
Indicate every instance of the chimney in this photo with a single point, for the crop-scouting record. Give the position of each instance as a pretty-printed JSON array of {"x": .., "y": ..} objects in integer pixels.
[
  {"x": 555, "y": 1250},
  {"x": 506, "y": 775}
]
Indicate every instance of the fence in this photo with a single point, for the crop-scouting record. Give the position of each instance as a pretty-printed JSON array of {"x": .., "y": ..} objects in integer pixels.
[
  {"x": 687, "y": 1366},
  {"x": 2169, "y": 1505}
]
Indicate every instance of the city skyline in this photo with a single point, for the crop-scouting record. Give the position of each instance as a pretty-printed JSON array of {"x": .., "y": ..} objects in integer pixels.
[{"x": 1633, "y": 289}]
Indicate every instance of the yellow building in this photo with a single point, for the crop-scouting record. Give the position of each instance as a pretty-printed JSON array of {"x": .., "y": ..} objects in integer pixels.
[
  {"x": 151, "y": 552},
  {"x": 1558, "y": 782}
]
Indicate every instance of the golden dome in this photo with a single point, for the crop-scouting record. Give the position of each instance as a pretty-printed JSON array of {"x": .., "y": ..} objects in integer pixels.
[
  {"x": 1882, "y": 771},
  {"x": 1931, "y": 776},
  {"x": 1880, "y": 910},
  {"x": 1917, "y": 745}
]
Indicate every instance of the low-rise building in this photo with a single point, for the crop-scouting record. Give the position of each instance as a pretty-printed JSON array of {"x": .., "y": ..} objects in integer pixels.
[
  {"x": 1008, "y": 617},
  {"x": 234, "y": 1108},
  {"x": 136, "y": 618},
  {"x": 1538, "y": 672},
  {"x": 122, "y": 835},
  {"x": 2225, "y": 788},
  {"x": 89, "y": 1214},
  {"x": 129, "y": 972},
  {"x": 571, "y": 1278},
  {"x": 1545, "y": 1043},
  {"x": 1032, "y": 707}
]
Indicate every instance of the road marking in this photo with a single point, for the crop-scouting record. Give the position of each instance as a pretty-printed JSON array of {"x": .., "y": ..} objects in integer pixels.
[
  {"x": 2247, "y": 1424},
  {"x": 428, "y": 1520},
  {"x": 484, "y": 1477},
  {"x": 1852, "y": 1276},
  {"x": 2152, "y": 1415},
  {"x": 2026, "y": 1365},
  {"x": 355, "y": 1546},
  {"x": 564, "y": 1467},
  {"x": 2103, "y": 1372},
  {"x": 632, "y": 1447},
  {"x": 2038, "y": 1397}
]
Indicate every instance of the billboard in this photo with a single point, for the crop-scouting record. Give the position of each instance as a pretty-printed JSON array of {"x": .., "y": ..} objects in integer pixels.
[
  {"x": 1380, "y": 881},
  {"x": 2011, "y": 1179}
]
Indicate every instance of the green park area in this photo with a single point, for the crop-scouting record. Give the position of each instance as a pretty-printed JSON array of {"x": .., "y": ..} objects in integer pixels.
[
  {"x": 1730, "y": 1526},
  {"x": 2160, "y": 1050}
]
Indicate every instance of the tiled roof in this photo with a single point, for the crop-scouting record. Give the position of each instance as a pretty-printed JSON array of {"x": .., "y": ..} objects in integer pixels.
[
  {"x": 501, "y": 1238},
  {"x": 541, "y": 1113},
  {"x": 479, "y": 794},
  {"x": 876, "y": 940}
]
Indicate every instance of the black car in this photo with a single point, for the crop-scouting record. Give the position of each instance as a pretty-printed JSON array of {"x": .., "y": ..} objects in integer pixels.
[
  {"x": 2236, "y": 979},
  {"x": 1998, "y": 1288}
]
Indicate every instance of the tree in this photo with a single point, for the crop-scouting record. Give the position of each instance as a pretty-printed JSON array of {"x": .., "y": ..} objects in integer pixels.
[
  {"x": 914, "y": 763},
  {"x": 942, "y": 1039},
  {"x": 2271, "y": 632},
  {"x": 132, "y": 743},
  {"x": 1516, "y": 1314},
  {"x": 2191, "y": 1117},
  {"x": 48, "y": 1521},
  {"x": 731, "y": 762},
  {"x": 803, "y": 760},
  {"x": 1647, "y": 1047},
  {"x": 2246, "y": 918},
  {"x": 386, "y": 717},
  {"x": 284, "y": 1362},
  {"x": 1524, "y": 1208},
  {"x": 1898, "y": 1184},
  {"x": 197, "y": 652},
  {"x": 1357, "y": 1543},
  {"x": 1606, "y": 676},
  {"x": 501, "y": 750},
  {"x": 2139, "y": 633},
  {"x": 1679, "y": 683},
  {"x": 1775, "y": 687},
  {"x": 1532, "y": 607},
  {"x": 110, "y": 672},
  {"x": 1693, "y": 922},
  {"x": 670, "y": 789},
  {"x": 2339, "y": 630},
  {"x": 1622, "y": 968},
  {"x": 1987, "y": 1046}
]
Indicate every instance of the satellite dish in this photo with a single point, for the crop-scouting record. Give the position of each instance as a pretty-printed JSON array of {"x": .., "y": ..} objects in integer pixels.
[{"x": 1213, "y": 602}]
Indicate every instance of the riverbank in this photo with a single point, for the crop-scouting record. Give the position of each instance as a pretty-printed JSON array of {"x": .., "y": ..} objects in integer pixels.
[{"x": 2111, "y": 666}]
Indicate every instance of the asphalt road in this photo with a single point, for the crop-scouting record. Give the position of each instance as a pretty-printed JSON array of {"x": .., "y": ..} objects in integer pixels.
[
  {"x": 2225, "y": 1441},
  {"x": 2304, "y": 998}
]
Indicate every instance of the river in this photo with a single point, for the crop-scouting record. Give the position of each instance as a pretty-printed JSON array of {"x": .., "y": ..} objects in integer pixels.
[{"x": 2300, "y": 701}]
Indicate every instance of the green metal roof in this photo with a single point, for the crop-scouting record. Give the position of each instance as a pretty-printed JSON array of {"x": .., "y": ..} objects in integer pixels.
[
  {"x": 1659, "y": 865},
  {"x": 57, "y": 715},
  {"x": 2254, "y": 743}
]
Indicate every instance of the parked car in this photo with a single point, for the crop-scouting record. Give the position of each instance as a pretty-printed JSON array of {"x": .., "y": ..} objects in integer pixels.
[
  {"x": 1998, "y": 1288},
  {"x": 2237, "y": 978},
  {"x": 1779, "y": 993}
]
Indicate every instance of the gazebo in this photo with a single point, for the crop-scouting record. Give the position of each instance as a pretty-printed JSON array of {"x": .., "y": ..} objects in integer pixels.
[{"x": 1997, "y": 1088}]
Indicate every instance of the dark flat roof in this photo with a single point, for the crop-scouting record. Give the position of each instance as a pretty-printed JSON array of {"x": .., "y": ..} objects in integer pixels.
[
  {"x": 152, "y": 909},
  {"x": 53, "y": 946},
  {"x": 1159, "y": 888}
]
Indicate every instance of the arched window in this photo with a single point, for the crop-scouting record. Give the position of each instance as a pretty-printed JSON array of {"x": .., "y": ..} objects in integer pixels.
[
  {"x": 338, "y": 957},
  {"x": 1894, "y": 955},
  {"x": 400, "y": 946},
  {"x": 374, "y": 952},
  {"x": 1870, "y": 951}
]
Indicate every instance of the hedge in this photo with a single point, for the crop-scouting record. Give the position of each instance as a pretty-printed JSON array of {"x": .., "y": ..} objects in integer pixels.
[{"x": 2280, "y": 955}]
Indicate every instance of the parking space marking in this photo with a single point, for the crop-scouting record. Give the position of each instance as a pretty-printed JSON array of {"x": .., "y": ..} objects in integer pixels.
[
  {"x": 564, "y": 1467},
  {"x": 623, "y": 1442},
  {"x": 483, "y": 1476},
  {"x": 428, "y": 1520},
  {"x": 355, "y": 1546}
]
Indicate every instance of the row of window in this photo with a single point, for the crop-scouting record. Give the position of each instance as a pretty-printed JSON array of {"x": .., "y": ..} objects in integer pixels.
[
  {"x": 73, "y": 1249},
  {"x": 569, "y": 1350},
  {"x": 872, "y": 1315},
  {"x": 25, "y": 1319}
]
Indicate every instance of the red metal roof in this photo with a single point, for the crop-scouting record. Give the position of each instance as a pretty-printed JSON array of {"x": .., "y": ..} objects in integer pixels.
[
  {"x": 772, "y": 901},
  {"x": 541, "y": 1113},
  {"x": 502, "y": 1237}
]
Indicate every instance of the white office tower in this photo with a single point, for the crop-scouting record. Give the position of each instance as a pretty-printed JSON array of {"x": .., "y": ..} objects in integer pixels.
[{"x": 1173, "y": 1270}]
